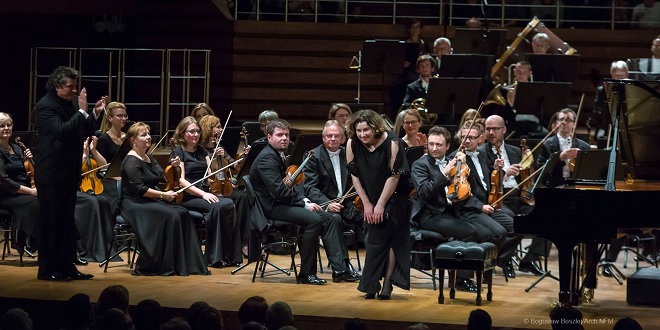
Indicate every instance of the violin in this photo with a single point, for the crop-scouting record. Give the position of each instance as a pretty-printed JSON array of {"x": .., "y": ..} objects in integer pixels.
[
  {"x": 496, "y": 183},
  {"x": 527, "y": 167},
  {"x": 357, "y": 203},
  {"x": 172, "y": 176},
  {"x": 90, "y": 183},
  {"x": 459, "y": 188},
  {"x": 294, "y": 174},
  {"x": 220, "y": 184},
  {"x": 28, "y": 162}
]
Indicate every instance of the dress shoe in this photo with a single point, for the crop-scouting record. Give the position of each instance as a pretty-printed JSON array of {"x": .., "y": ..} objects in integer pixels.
[
  {"x": 72, "y": 272},
  {"x": 53, "y": 276},
  {"x": 310, "y": 279},
  {"x": 530, "y": 267},
  {"x": 81, "y": 262},
  {"x": 386, "y": 296},
  {"x": 345, "y": 275},
  {"x": 466, "y": 284},
  {"x": 372, "y": 295}
]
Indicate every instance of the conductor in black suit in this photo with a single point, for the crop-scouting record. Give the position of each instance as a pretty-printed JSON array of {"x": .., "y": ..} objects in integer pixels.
[
  {"x": 63, "y": 123},
  {"x": 327, "y": 177},
  {"x": 283, "y": 202}
]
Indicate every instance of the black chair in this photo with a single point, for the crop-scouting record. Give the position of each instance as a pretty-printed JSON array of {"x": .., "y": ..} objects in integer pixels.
[
  {"x": 277, "y": 234},
  {"x": 5, "y": 228},
  {"x": 637, "y": 236},
  {"x": 350, "y": 230},
  {"x": 125, "y": 238}
]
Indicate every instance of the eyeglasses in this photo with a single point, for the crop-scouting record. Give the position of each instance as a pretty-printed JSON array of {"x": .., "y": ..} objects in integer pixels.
[
  {"x": 342, "y": 116},
  {"x": 565, "y": 120},
  {"x": 494, "y": 129},
  {"x": 263, "y": 125},
  {"x": 193, "y": 131},
  {"x": 332, "y": 136},
  {"x": 471, "y": 138},
  {"x": 410, "y": 123},
  {"x": 120, "y": 116}
]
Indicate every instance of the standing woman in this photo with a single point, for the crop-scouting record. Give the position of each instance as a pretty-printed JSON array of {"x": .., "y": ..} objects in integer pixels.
[
  {"x": 218, "y": 212},
  {"x": 16, "y": 193},
  {"x": 379, "y": 172},
  {"x": 211, "y": 130},
  {"x": 114, "y": 120},
  {"x": 168, "y": 239}
]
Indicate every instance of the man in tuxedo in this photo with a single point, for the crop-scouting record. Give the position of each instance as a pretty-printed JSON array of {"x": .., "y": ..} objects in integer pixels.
[
  {"x": 476, "y": 206},
  {"x": 431, "y": 210},
  {"x": 63, "y": 123},
  {"x": 508, "y": 158},
  {"x": 282, "y": 201},
  {"x": 419, "y": 88}
]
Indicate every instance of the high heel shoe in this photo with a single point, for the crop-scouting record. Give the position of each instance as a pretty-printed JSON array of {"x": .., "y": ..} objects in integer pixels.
[
  {"x": 382, "y": 296},
  {"x": 372, "y": 295}
]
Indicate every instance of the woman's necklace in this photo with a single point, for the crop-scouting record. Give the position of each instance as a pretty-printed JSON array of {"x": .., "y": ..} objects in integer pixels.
[{"x": 5, "y": 147}]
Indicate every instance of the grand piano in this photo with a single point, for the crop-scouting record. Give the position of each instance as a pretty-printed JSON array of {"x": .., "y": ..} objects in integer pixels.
[{"x": 567, "y": 217}]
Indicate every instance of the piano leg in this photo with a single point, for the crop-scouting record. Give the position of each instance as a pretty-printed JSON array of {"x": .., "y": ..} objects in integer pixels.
[{"x": 565, "y": 255}]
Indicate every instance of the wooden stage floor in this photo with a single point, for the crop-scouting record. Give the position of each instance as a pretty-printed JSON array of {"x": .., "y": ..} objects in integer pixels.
[{"x": 329, "y": 306}]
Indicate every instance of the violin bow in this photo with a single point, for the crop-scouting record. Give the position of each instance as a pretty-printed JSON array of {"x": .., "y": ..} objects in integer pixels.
[
  {"x": 157, "y": 144},
  {"x": 518, "y": 186},
  {"x": 481, "y": 106},
  {"x": 217, "y": 143},
  {"x": 577, "y": 115},
  {"x": 96, "y": 169},
  {"x": 538, "y": 145},
  {"x": 208, "y": 176}
]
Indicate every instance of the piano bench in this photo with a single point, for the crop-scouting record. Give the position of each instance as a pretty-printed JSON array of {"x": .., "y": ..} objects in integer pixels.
[
  {"x": 643, "y": 287},
  {"x": 459, "y": 255}
]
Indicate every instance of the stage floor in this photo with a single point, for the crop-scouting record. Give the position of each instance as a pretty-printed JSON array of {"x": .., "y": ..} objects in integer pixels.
[{"x": 330, "y": 305}]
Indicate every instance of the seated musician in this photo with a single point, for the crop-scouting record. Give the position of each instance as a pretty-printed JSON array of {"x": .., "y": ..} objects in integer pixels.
[
  {"x": 281, "y": 201},
  {"x": 108, "y": 145},
  {"x": 509, "y": 160},
  {"x": 568, "y": 147},
  {"x": 327, "y": 180},
  {"x": 441, "y": 46},
  {"x": 17, "y": 195},
  {"x": 412, "y": 122},
  {"x": 419, "y": 88},
  {"x": 476, "y": 207},
  {"x": 212, "y": 129},
  {"x": 618, "y": 70},
  {"x": 540, "y": 43},
  {"x": 153, "y": 217},
  {"x": 266, "y": 117},
  {"x": 342, "y": 113},
  {"x": 431, "y": 211},
  {"x": 223, "y": 244}
]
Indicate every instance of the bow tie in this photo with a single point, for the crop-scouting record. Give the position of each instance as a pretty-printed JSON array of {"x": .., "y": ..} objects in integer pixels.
[
  {"x": 472, "y": 153},
  {"x": 566, "y": 141},
  {"x": 335, "y": 153},
  {"x": 442, "y": 163}
]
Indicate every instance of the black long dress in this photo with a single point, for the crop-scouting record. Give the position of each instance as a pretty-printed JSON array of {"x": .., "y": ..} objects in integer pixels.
[
  {"x": 108, "y": 148},
  {"x": 95, "y": 222},
  {"x": 168, "y": 239},
  {"x": 24, "y": 208},
  {"x": 394, "y": 232},
  {"x": 221, "y": 234}
]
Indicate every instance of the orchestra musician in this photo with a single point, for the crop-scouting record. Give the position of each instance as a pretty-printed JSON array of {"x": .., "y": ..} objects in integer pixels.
[
  {"x": 431, "y": 211},
  {"x": 541, "y": 43},
  {"x": 282, "y": 202},
  {"x": 211, "y": 129},
  {"x": 62, "y": 122},
  {"x": 200, "y": 111},
  {"x": 441, "y": 46},
  {"x": 618, "y": 70},
  {"x": 379, "y": 169},
  {"x": 419, "y": 88},
  {"x": 327, "y": 179},
  {"x": 114, "y": 121},
  {"x": 266, "y": 117},
  {"x": 412, "y": 122},
  {"x": 153, "y": 217},
  {"x": 476, "y": 207},
  {"x": 16, "y": 193},
  {"x": 340, "y": 112},
  {"x": 223, "y": 242}
]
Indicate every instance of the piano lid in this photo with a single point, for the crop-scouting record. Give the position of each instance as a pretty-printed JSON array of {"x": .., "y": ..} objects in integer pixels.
[{"x": 636, "y": 104}]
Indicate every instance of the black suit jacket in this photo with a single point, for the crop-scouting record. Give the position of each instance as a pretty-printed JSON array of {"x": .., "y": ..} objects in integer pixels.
[
  {"x": 550, "y": 146},
  {"x": 61, "y": 130},
  {"x": 320, "y": 182},
  {"x": 514, "y": 153},
  {"x": 430, "y": 185},
  {"x": 414, "y": 90},
  {"x": 266, "y": 176}
]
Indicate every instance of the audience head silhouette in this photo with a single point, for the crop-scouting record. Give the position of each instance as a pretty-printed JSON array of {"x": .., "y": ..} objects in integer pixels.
[
  {"x": 253, "y": 309},
  {"x": 279, "y": 314},
  {"x": 148, "y": 315},
  {"x": 15, "y": 319},
  {"x": 479, "y": 319},
  {"x": 114, "y": 296}
]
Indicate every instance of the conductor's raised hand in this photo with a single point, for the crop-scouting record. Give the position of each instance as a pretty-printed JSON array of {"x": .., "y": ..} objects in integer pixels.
[{"x": 82, "y": 99}]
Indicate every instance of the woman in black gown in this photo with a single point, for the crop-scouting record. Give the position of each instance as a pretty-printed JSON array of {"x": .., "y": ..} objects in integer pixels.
[
  {"x": 16, "y": 194},
  {"x": 168, "y": 239},
  {"x": 379, "y": 172},
  {"x": 114, "y": 120},
  {"x": 222, "y": 239}
]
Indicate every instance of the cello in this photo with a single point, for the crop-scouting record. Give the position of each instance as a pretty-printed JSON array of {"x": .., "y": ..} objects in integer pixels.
[{"x": 28, "y": 163}]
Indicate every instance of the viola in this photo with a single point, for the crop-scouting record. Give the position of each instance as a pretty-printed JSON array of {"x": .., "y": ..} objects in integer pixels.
[
  {"x": 90, "y": 183},
  {"x": 220, "y": 184},
  {"x": 459, "y": 187},
  {"x": 294, "y": 174},
  {"x": 357, "y": 203},
  {"x": 496, "y": 184},
  {"x": 527, "y": 167},
  {"x": 172, "y": 176},
  {"x": 28, "y": 162}
]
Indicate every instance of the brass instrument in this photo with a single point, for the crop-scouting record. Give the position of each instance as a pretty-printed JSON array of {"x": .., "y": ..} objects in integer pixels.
[
  {"x": 419, "y": 104},
  {"x": 511, "y": 56},
  {"x": 495, "y": 96}
]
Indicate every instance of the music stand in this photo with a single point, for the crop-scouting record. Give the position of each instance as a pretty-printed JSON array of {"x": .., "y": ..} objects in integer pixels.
[
  {"x": 487, "y": 42},
  {"x": 447, "y": 95},
  {"x": 553, "y": 67},
  {"x": 114, "y": 170},
  {"x": 231, "y": 138},
  {"x": 255, "y": 150},
  {"x": 304, "y": 143},
  {"x": 541, "y": 98},
  {"x": 383, "y": 56},
  {"x": 465, "y": 66},
  {"x": 591, "y": 167}
]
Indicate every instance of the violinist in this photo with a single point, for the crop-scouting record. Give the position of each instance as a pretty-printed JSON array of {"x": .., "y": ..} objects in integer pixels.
[
  {"x": 112, "y": 125},
  {"x": 155, "y": 220},
  {"x": 16, "y": 193},
  {"x": 211, "y": 129},
  {"x": 431, "y": 210},
  {"x": 283, "y": 203},
  {"x": 327, "y": 180},
  {"x": 223, "y": 244},
  {"x": 476, "y": 207},
  {"x": 266, "y": 117},
  {"x": 379, "y": 171}
]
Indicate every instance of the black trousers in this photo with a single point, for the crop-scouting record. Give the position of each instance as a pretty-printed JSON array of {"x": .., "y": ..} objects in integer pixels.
[
  {"x": 327, "y": 225},
  {"x": 57, "y": 230}
]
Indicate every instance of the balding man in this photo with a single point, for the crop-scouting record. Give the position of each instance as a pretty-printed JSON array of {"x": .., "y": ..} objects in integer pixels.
[
  {"x": 441, "y": 46},
  {"x": 541, "y": 43}
]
